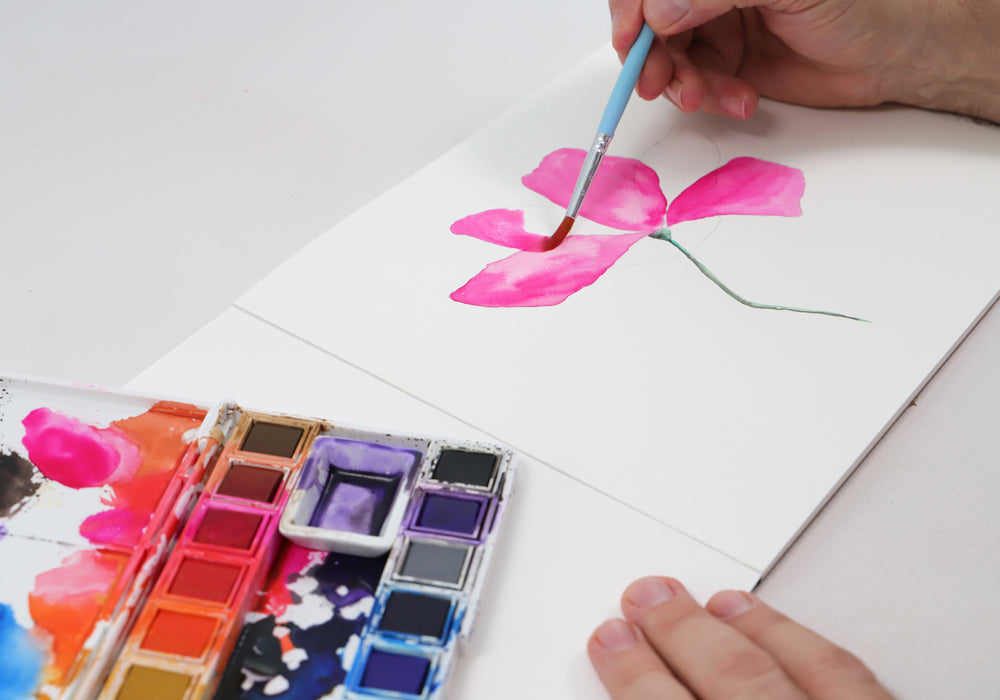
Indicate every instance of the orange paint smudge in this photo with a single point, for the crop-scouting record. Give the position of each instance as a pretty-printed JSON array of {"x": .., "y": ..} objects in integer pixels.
[{"x": 66, "y": 603}]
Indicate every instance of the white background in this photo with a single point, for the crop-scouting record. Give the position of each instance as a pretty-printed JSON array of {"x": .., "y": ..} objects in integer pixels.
[{"x": 155, "y": 162}]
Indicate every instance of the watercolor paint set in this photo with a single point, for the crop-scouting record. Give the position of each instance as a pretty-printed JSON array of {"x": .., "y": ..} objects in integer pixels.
[{"x": 156, "y": 550}]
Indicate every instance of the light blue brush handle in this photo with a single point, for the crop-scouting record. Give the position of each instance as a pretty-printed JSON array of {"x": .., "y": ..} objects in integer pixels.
[
  {"x": 626, "y": 81},
  {"x": 609, "y": 120}
]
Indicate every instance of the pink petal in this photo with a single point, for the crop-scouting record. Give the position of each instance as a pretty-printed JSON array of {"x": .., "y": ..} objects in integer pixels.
[
  {"x": 545, "y": 279},
  {"x": 741, "y": 186},
  {"x": 625, "y": 193},
  {"x": 501, "y": 226}
]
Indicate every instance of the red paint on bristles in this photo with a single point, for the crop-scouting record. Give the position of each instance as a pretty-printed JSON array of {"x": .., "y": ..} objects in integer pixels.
[{"x": 559, "y": 235}]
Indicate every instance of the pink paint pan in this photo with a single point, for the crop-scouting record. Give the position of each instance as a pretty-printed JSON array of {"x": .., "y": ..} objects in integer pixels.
[
  {"x": 205, "y": 578},
  {"x": 225, "y": 527}
]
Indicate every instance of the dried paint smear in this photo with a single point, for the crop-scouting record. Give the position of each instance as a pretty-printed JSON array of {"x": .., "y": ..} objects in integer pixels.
[
  {"x": 18, "y": 483},
  {"x": 132, "y": 461},
  {"x": 299, "y": 643},
  {"x": 130, "y": 464},
  {"x": 22, "y": 658}
]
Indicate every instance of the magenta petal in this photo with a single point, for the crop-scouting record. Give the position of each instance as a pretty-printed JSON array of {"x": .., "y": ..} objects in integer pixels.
[
  {"x": 545, "y": 279},
  {"x": 741, "y": 186},
  {"x": 625, "y": 193},
  {"x": 501, "y": 226}
]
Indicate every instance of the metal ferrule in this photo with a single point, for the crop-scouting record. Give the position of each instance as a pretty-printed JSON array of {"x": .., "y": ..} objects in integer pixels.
[{"x": 587, "y": 172}]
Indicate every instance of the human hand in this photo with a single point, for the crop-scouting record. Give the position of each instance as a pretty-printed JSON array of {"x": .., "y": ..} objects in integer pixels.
[
  {"x": 720, "y": 55},
  {"x": 669, "y": 647}
]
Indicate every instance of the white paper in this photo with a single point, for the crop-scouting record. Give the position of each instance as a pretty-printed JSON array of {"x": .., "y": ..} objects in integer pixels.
[{"x": 730, "y": 424}]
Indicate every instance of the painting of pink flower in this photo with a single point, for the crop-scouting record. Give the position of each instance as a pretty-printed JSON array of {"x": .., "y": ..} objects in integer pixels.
[{"x": 626, "y": 196}]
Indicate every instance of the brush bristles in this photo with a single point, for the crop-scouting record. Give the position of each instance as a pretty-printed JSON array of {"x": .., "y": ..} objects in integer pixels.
[{"x": 560, "y": 234}]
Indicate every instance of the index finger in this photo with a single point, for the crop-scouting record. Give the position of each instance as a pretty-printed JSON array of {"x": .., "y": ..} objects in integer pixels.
[
  {"x": 669, "y": 17},
  {"x": 626, "y": 22}
]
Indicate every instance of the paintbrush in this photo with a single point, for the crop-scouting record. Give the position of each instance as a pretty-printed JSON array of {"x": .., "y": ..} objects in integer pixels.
[{"x": 605, "y": 130}]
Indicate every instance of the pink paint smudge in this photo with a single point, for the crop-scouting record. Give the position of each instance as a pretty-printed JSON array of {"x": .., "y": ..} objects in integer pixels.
[
  {"x": 625, "y": 194},
  {"x": 294, "y": 560},
  {"x": 545, "y": 279},
  {"x": 78, "y": 455},
  {"x": 133, "y": 459},
  {"x": 117, "y": 525},
  {"x": 501, "y": 226},
  {"x": 741, "y": 186}
]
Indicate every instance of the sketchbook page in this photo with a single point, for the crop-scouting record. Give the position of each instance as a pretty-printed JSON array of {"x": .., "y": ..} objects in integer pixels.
[
  {"x": 566, "y": 555},
  {"x": 731, "y": 424}
]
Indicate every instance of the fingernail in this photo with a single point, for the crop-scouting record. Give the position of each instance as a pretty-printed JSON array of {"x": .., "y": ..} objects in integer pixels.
[
  {"x": 649, "y": 592},
  {"x": 735, "y": 106},
  {"x": 615, "y": 635},
  {"x": 661, "y": 15},
  {"x": 673, "y": 92},
  {"x": 730, "y": 603}
]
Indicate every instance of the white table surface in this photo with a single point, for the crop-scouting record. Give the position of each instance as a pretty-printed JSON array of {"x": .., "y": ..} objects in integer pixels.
[{"x": 156, "y": 161}]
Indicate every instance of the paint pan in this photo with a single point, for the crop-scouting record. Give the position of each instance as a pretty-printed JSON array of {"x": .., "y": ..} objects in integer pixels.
[
  {"x": 351, "y": 497},
  {"x": 251, "y": 482},
  {"x": 228, "y": 528},
  {"x": 206, "y": 579},
  {"x": 467, "y": 468},
  {"x": 386, "y": 669},
  {"x": 355, "y": 501},
  {"x": 435, "y": 562},
  {"x": 450, "y": 514},
  {"x": 149, "y": 683},
  {"x": 185, "y": 632},
  {"x": 273, "y": 438},
  {"x": 421, "y": 613}
]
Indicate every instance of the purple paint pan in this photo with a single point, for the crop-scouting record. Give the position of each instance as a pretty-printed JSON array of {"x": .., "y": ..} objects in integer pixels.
[
  {"x": 355, "y": 501},
  {"x": 351, "y": 496},
  {"x": 450, "y": 514},
  {"x": 397, "y": 672}
]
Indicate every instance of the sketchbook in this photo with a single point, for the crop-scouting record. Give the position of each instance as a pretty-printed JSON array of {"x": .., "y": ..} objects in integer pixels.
[{"x": 646, "y": 380}]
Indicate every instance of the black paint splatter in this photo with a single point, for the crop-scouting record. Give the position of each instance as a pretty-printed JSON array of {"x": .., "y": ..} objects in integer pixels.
[{"x": 17, "y": 484}]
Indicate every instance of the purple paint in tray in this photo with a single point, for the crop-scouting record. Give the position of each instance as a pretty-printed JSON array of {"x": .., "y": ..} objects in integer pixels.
[
  {"x": 358, "y": 480},
  {"x": 447, "y": 513},
  {"x": 351, "y": 496},
  {"x": 355, "y": 501},
  {"x": 355, "y": 456}
]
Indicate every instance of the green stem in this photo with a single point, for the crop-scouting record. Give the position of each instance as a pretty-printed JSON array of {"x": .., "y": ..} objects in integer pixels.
[{"x": 664, "y": 235}]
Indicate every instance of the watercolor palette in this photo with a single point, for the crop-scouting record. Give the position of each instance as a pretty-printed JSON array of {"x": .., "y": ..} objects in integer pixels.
[{"x": 151, "y": 561}]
